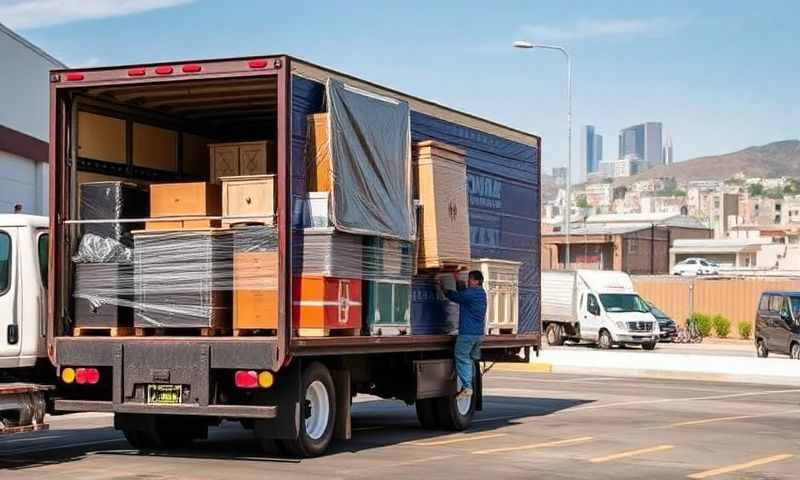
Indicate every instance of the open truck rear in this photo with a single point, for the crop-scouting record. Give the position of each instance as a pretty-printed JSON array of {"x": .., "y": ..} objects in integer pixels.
[{"x": 301, "y": 386}]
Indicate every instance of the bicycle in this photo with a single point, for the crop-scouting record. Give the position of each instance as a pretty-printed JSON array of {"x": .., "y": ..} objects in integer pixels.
[{"x": 690, "y": 333}]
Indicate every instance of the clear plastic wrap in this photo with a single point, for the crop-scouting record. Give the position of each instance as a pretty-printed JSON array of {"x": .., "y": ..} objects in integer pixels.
[
  {"x": 96, "y": 249},
  {"x": 112, "y": 201}
]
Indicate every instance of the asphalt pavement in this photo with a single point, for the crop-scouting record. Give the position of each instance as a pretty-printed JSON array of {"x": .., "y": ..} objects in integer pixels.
[{"x": 534, "y": 425}]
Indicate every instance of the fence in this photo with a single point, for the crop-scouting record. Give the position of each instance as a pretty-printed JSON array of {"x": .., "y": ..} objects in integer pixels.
[{"x": 735, "y": 298}]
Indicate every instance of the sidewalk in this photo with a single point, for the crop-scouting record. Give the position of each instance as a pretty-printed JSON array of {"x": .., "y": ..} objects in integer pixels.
[{"x": 731, "y": 363}]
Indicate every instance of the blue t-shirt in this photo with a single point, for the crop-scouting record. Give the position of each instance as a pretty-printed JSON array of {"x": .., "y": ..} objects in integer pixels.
[{"x": 472, "y": 309}]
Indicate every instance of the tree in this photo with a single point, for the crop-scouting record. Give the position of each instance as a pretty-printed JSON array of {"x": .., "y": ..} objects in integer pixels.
[
  {"x": 755, "y": 189},
  {"x": 774, "y": 193},
  {"x": 792, "y": 187},
  {"x": 581, "y": 202}
]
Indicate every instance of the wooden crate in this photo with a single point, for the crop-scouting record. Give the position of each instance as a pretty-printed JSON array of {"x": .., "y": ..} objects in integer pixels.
[
  {"x": 255, "y": 290},
  {"x": 318, "y": 154},
  {"x": 242, "y": 158},
  {"x": 324, "y": 305},
  {"x": 441, "y": 185},
  {"x": 184, "y": 199},
  {"x": 501, "y": 282},
  {"x": 248, "y": 199}
]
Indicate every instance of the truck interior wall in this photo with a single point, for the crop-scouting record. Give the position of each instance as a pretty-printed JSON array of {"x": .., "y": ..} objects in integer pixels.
[{"x": 503, "y": 189}]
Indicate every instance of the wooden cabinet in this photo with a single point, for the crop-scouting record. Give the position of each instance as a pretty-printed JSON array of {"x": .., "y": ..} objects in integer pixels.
[
  {"x": 318, "y": 154},
  {"x": 441, "y": 185},
  {"x": 196, "y": 199},
  {"x": 248, "y": 199},
  {"x": 255, "y": 290},
  {"x": 244, "y": 158},
  {"x": 501, "y": 282}
]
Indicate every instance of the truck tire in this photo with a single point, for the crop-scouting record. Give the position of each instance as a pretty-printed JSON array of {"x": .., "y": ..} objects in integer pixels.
[
  {"x": 427, "y": 413},
  {"x": 454, "y": 413},
  {"x": 318, "y": 414},
  {"x": 605, "y": 341},
  {"x": 555, "y": 334}
]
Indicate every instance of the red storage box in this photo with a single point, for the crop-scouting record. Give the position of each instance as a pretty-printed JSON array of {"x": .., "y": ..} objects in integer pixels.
[{"x": 324, "y": 306}]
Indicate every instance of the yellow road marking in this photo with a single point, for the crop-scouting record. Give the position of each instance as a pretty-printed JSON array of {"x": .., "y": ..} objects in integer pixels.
[
  {"x": 631, "y": 453},
  {"x": 533, "y": 446},
  {"x": 741, "y": 466},
  {"x": 459, "y": 439},
  {"x": 728, "y": 419}
]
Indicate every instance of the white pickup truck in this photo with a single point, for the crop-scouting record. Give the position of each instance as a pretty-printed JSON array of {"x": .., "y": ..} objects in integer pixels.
[
  {"x": 23, "y": 310},
  {"x": 600, "y": 307}
]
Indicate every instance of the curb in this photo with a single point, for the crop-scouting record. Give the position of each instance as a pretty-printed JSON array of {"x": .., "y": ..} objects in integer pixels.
[{"x": 538, "y": 367}]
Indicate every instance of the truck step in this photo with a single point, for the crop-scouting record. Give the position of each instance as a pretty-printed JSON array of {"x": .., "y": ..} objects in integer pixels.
[
  {"x": 255, "y": 332},
  {"x": 102, "y": 331},
  {"x": 329, "y": 332},
  {"x": 181, "y": 332}
]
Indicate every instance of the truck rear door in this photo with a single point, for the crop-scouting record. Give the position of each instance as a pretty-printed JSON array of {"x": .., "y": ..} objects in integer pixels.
[{"x": 10, "y": 329}]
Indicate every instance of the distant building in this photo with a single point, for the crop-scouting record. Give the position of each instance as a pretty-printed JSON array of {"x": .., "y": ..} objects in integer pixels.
[
  {"x": 600, "y": 194},
  {"x": 629, "y": 165},
  {"x": 668, "y": 157},
  {"x": 24, "y": 124},
  {"x": 726, "y": 252},
  {"x": 591, "y": 151},
  {"x": 723, "y": 207},
  {"x": 560, "y": 176},
  {"x": 644, "y": 141}
]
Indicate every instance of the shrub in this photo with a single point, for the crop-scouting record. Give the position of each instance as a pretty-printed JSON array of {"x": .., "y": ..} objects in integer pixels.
[
  {"x": 745, "y": 328},
  {"x": 722, "y": 326},
  {"x": 703, "y": 323}
]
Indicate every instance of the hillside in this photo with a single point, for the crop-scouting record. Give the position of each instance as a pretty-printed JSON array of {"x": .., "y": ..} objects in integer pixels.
[{"x": 775, "y": 159}]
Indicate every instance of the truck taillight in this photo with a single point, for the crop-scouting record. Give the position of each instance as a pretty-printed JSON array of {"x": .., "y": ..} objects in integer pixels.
[
  {"x": 68, "y": 375},
  {"x": 253, "y": 379},
  {"x": 88, "y": 376}
]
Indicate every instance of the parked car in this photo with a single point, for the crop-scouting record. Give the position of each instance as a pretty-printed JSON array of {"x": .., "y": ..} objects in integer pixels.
[
  {"x": 667, "y": 326},
  {"x": 778, "y": 324},
  {"x": 695, "y": 266}
]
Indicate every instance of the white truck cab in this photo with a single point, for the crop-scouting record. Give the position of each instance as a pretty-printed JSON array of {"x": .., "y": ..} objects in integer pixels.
[
  {"x": 596, "y": 306},
  {"x": 23, "y": 313}
]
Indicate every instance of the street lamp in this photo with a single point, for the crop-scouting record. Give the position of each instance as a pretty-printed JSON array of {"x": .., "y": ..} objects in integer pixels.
[{"x": 568, "y": 215}]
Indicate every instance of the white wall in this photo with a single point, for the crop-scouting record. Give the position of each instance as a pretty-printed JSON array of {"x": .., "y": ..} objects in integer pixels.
[
  {"x": 24, "y": 87},
  {"x": 22, "y": 181}
]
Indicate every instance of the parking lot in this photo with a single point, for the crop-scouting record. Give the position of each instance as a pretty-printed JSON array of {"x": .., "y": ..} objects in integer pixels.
[{"x": 542, "y": 425}]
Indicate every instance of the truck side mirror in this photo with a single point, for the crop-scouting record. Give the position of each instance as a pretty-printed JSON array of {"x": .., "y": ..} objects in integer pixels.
[{"x": 12, "y": 334}]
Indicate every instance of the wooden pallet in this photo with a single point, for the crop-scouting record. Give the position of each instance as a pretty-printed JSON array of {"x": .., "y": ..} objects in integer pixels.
[
  {"x": 502, "y": 331},
  {"x": 255, "y": 332},
  {"x": 181, "y": 332},
  {"x": 329, "y": 332},
  {"x": 445, "y": 267},
  {"x": 103, "y": 331}
]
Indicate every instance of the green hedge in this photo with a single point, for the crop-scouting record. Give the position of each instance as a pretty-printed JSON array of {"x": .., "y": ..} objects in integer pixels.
[
  {"x": 745, "y": 329},
  {"x": 722, "y": 326},
  {"x": 704, "y": 323}
]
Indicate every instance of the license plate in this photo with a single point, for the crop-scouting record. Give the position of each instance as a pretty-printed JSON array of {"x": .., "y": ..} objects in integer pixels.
[{"x": 164, "y": 394}]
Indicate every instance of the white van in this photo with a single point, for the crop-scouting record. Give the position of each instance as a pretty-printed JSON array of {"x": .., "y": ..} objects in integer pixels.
[{"x": 595, "y": 306}]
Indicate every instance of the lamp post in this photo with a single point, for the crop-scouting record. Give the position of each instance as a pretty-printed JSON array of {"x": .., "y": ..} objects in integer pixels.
[{"x": 568, "y": 214}]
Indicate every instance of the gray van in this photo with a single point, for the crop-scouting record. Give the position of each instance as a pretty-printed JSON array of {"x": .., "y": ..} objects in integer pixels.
[{"x": 778, "y": 324}]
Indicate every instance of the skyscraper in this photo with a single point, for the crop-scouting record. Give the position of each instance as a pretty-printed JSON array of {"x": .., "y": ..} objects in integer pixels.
[
  {"x": 591, "y": 151},
  {"x": 644, "y": 141},
  {"x": 668, "y": 157}
]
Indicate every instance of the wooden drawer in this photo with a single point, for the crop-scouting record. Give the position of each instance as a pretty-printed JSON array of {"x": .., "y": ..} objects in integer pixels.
[
  {"x": 441, "y": 186},
  {"x": 182, "y": 199},
  {"x": 182, "y": 224},
  {"x": 255, "y": 290},
  {"x": 248, "y": 199},
  {"x": 318, "y": 154},
  {"x": 243, "y": 158}
]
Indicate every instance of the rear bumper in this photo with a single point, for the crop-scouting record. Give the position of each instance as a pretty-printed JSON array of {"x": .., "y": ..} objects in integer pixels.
[{"x": 227, "y": 411}]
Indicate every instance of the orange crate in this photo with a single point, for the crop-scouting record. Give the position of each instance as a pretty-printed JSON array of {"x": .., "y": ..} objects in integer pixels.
[{"x": 324, "y": 305}]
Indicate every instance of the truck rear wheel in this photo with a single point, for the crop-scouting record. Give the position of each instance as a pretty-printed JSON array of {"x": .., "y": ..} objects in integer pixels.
[
  {"x": 427, "y": 413},
  {"x": 555, "y": 334},
  {"x": 318, "y": 414},
  {"x": 163, "y": 432}
]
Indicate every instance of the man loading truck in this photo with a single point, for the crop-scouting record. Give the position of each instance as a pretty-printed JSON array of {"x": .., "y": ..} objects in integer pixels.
[{"x": 471, "y": 326}]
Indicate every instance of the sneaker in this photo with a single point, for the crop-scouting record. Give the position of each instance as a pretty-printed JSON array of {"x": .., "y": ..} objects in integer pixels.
[{"x": 464, "y": 393}]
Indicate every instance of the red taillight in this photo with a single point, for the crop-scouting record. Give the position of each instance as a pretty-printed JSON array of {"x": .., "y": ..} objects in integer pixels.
[
  {"x": 192, "y": 68},
  {"x": 246, "y": 379},
  {"x": 74, "y": 77},
  {"x": 164, "y": 70},
  {"x": 87, "y": 376},
  {"x": 136, "y": 72},
  {"x": 257, "y": 63}
]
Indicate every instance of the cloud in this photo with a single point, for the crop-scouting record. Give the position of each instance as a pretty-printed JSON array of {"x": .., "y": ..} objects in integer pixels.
[
  {"x": 598, "y": 28},
  {"x": 29, "y": 14}
]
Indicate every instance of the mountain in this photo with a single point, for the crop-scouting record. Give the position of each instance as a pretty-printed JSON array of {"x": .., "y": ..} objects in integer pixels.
[{"x": 777, "y": 159}]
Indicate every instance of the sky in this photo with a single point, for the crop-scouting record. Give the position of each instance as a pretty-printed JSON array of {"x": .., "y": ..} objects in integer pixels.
[{"x": 720, "y": 75}]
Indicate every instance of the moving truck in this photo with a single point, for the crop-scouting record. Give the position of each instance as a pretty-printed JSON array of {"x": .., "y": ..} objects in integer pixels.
[
  {"x": 600, "y": 307},
  {"x": 26, "y": 375},
  {"x": 150, "y": 124}
]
